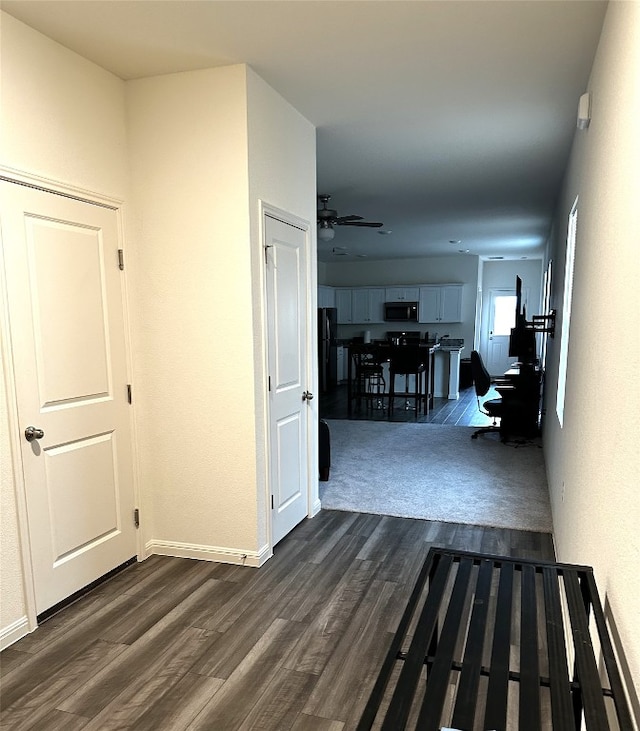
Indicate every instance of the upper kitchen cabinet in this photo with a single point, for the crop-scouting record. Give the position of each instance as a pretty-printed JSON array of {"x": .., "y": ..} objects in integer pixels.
[
  {"x": 440, "y": 303},
  {"x": 326, "y": 296},
  {"x": 402, "y": 294},
  {"x": 343, "y": 303},
  {"x": 367, "y": 305},
  {"x": 360, "y": 305}
]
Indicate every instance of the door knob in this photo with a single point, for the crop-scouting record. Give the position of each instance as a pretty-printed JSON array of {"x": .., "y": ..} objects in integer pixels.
[
  {"x": 31, "y": 433},
  {"x": 307, "y": 396}
]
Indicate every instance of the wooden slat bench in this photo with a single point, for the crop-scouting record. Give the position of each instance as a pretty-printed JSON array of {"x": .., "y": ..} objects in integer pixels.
[{"x": 483, "y": 644}]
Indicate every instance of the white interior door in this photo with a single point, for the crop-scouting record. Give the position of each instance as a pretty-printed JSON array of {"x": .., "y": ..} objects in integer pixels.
[
  {"x": 502, "y": 317},
  {"x": 67, "y": 333},
  {"x": 286, "y": 262}
]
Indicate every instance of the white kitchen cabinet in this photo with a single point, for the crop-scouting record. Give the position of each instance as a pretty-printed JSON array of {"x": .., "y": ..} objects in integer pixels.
[
  {"x": 343, "y": 303},
  {"x": 360, "y": 305},
  {"x": 326, "y": 296},
  {"x": 367, "y": 305},
  {"x": 440, "y": 303},
  {"x": 402, "y": 294}
]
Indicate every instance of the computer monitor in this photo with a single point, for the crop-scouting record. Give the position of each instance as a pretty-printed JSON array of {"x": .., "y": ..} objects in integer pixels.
[{"x": 522, "y": 341}]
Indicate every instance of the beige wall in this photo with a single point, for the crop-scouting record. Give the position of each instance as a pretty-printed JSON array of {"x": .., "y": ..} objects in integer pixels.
[
  {"x": 63, "y": 118},
  {"x": 593, "y": 464},
  {"x": 192, "y": 327},
  {"x": 176, "y": 150},
  {"x": 206, "y": 147}
]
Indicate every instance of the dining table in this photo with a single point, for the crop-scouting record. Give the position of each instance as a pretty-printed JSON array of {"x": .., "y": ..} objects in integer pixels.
[{"x": 380, "y": 352}]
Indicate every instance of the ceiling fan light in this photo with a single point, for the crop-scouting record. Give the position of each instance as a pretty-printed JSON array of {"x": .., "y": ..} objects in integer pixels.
[{"x": 326, "y": 231}]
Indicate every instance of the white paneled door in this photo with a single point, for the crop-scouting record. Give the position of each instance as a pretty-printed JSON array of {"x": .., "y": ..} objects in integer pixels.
[
  {"x": 502, "y": 317},
  {"x": 67, "y": 330},
  {"x": 288, "y": 374}
]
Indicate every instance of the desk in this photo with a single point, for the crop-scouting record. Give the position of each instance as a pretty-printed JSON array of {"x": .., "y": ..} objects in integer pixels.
[
  {"x": 520, "y": 393},
  {"x": 491, "y": 632},
  {"x": 381, "y": 353}
]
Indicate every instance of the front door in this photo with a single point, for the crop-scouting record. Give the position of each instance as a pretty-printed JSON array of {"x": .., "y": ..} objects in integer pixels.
[
  {"x": 286, "y": 263},
  {"x": 67, "y": 328},
  {"x": 502, "y": 317}
]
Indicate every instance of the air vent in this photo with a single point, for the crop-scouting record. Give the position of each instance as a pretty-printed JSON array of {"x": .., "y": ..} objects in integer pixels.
[{"x": 496, "y": 257}]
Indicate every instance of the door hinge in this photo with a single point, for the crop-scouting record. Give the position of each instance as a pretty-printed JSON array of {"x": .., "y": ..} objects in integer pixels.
[
  {"x": 129, "y": 393},
  {"x": 121, "y": 259},
  {"x": 136, "y": 517},
  {"x": 272, "y": 504},
  {"x": 269, "y": 383}
]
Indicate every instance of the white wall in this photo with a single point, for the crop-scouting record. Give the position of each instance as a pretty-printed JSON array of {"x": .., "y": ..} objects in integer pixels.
[
  {"x": 63, "y": 118},
  {"x": 593, "y": 464},
  {"x": 502, "y": 275},
  {"x": 426, "y": 270},
  {"x": 193, "y": 323}
]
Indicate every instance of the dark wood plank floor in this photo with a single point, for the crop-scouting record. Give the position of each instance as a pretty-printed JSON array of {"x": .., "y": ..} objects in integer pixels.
[
  {"x": 461, "y": 412},
  {"x": 171, "y": 644}
]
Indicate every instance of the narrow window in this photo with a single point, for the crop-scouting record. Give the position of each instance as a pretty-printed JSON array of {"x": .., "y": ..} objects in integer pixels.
[{"x": 566, "y": 311}]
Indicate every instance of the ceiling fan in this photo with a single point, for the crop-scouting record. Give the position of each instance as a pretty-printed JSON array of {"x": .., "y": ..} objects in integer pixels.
[{"x": 328, "y": 218}]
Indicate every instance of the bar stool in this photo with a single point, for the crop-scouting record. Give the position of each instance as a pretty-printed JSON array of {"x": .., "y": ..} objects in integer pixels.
[
  {"x": 407, "y": 361},
  {"x": 370, "y": 380}
]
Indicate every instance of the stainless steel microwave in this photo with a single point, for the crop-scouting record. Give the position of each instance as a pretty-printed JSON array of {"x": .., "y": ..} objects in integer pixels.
[{"x": 401, "y": 311}]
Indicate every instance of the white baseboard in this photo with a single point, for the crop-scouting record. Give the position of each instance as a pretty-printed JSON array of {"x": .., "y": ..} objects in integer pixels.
[
  {"x": 14, "y": 632},
  {"x": 209, "y": 553},
  {"x": 315, "y": 508}
]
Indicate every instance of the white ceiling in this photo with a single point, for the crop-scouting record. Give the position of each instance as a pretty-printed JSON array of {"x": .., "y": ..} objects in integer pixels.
[{"x": 447, "y": 120}]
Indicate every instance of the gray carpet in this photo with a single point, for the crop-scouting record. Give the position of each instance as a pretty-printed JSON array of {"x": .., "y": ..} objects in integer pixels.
[{"x": 436, "y": 472}]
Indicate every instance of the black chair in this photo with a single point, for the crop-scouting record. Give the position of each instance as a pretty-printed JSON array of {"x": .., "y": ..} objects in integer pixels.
[
  {"x": 407, "y": 360},
  {"x": 370, "y": 383},
  {"x": 324, "y": 450},
  {"x": 482, "y": 383}
]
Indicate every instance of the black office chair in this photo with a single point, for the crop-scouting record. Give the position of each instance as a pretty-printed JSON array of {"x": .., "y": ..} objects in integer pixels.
[{"x": 482, "y": 383}]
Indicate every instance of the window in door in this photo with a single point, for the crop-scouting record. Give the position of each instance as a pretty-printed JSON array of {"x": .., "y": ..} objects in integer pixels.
[
  {"x": 504, "y": 314},
  {"x": 501, "y": 318},
  {"x": 566, "y": 311}
]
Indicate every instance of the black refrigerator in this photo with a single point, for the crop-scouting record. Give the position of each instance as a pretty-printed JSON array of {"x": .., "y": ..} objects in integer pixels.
[{"x": 327, "y": 348}]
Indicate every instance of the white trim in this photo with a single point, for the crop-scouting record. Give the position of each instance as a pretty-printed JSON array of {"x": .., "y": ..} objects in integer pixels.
[
  {"x": 22, "y": 177},
  {"x": 219, "y": 554},
  {"x": 565, "y": 321},
  {"x": 313, "y": 503},
  {"x": 20, "y": 490},
  {"x": 14, "y": 632}
]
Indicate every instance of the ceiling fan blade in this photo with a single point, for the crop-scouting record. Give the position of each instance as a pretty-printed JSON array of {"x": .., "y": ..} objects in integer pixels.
[
  {"x": 368, "y": 224},
  {"x": 342, "y": 219}
]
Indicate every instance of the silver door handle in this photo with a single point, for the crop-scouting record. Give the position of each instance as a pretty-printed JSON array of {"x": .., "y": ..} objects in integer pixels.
[
  {"x": 31, "y": 433},
  {"x": 307, "y": 396}
]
